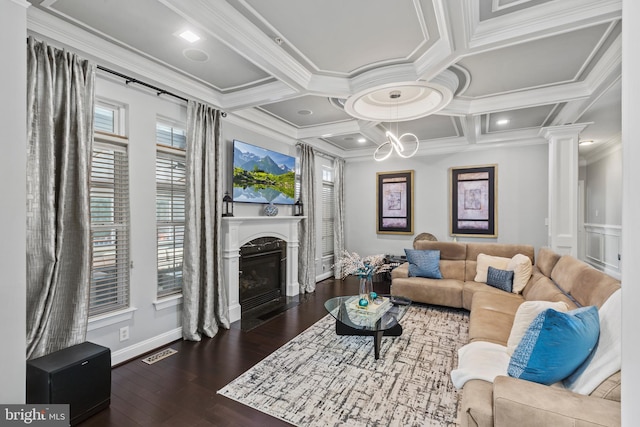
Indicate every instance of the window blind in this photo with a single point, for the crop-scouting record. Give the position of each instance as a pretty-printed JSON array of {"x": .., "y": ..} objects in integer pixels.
[
  {"x": 327, "y": 218},
  {"x": 109, "y": 204},
  {"x": 170, "y": 208}
]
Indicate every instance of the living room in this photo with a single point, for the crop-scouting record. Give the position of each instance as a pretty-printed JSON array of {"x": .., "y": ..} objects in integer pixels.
[{"x": 522, "y": 169}]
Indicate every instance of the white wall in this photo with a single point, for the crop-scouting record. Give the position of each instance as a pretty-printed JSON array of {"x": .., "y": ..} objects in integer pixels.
[
  {"x": 150, "y": 325},
  {"x": 522, "y": 197},
  {"x": 13, "y": 33},
  {"x": 630, "y": 212}
]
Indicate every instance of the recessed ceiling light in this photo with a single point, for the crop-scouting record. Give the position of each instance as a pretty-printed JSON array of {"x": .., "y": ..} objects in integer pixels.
[
  {"x": 189, "y": 36},
  {"x": 502, "y": 122},
  {"x": 305, "y": 112},
  {"x": 326, "y": 135},
  {"x": 362, "y": 140},
  {"x": 586, "y": 142}
]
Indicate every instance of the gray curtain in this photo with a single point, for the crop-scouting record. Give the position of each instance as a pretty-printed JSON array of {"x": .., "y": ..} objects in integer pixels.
[
  {"x": 205, "y": 305},
  {"x": 307, "y": 227},
  {"x": 338, "y": 216},
  {"x": 60, "y": 97}
]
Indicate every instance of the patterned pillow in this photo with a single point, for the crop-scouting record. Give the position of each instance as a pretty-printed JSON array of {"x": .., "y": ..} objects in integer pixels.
[
  {"x": 555, "y": 345},
  {"x": 501, "y": 279},
  {"x": 424, "y": 263}
]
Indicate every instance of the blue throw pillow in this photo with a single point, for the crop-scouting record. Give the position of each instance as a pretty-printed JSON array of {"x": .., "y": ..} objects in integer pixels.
[
  {"x": 501, "y": 279},
  {"x": 424, "y": 263},
  {"x": 555, "y": 345}
]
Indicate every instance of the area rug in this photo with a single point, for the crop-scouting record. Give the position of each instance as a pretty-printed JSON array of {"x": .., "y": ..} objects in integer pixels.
[{"x": 321, "y": 379}]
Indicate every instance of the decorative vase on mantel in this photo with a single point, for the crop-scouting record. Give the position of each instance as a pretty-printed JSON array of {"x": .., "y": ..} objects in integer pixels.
[
  {"x": 366, "y": 287},
  {"x": 271, "y": 209}
]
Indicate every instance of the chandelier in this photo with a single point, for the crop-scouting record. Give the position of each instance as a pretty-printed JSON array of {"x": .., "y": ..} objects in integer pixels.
[{"x": 405, "y": 145}]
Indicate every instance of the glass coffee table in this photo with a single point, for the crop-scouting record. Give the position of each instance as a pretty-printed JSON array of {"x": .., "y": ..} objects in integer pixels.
[{"x": 378, "y": 320}]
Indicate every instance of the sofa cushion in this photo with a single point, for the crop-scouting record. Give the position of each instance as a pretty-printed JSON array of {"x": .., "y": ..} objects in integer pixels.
[
  {"x": 541, "y": 288},
  {"x": 500, "y": 279},
  {"x": 448, "y": 250},
  {"x": 424, "y": 263},
  {"x": 610, "y": 388},
  {"x": 606, "y": 360},
  {"x": 477, "y": 404},
  {"x": 447, "y": 292},
  {"x": 483, "y": 263},
  {"x": 546, "y": 260},
  {"x": 527, "y": 312},
  {"x": 582, "y": 282},
  {"x": 492, "y": 315},
  {"x": 522, "y": 268},
  {"x": 555, "y": 344}
]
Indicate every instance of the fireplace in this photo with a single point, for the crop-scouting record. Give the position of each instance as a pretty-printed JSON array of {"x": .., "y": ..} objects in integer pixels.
[
  {"x": 262, "y": 272},
  {"x": 237, "y": 231}
]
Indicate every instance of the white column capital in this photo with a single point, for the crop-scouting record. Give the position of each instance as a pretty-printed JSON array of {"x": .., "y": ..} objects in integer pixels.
[{"x": 563, "y": 131}]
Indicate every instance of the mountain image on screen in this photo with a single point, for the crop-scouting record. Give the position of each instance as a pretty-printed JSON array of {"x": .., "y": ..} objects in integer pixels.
[{"x": 261, "y": 175}]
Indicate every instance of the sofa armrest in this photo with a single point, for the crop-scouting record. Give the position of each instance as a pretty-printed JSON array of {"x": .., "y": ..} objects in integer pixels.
[
  {"x": 400, "y": 271},
  {"x": 523, "y": 403}
]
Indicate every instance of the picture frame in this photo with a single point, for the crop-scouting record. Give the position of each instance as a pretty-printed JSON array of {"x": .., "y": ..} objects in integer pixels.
[
  {"x": 473, "y": 201},
  {"x": 394, "y": 205}
]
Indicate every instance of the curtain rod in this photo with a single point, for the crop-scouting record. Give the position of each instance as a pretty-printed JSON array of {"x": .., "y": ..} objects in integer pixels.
[
  {"x": 132, "y": 80},
  {"x": 158, "y": 90}
]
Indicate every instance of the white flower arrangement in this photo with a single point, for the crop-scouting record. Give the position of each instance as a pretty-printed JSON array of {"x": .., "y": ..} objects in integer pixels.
[{"x": 352, "y": 263}]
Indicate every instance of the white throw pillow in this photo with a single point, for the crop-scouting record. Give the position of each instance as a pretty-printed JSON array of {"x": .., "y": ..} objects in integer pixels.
[
  {"x": 483, "y": 262},
  {"x": 528, "y": 311},
  {"x": 521, "y": 266},
  {"x": 607, "y": 357}
]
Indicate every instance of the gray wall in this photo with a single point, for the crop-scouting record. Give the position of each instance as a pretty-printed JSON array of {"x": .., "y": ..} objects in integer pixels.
[
  {"x": 522, "y": 197},
  {"x": 603, "y": 185},
  {"x": 13, "y": 192}
]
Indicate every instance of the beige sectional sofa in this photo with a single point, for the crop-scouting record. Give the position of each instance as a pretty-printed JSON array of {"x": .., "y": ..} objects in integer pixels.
[{"x": 509, "y": 401}]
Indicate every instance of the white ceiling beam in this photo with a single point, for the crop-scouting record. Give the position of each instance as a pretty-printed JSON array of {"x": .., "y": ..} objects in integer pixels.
[{"x": 537, "y": 21}]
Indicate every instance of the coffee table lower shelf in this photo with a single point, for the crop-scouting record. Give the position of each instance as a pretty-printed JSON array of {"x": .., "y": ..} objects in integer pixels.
[{"x": 395, "y": 331}]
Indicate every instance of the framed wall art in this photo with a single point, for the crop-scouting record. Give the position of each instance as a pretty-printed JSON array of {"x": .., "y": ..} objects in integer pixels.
[
  {"x": 473, "y": 201},
  {"x": 395, "y": 202}
]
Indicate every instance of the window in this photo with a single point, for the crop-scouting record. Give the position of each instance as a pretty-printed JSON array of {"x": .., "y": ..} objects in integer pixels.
[
  {"x": 171, "y": 136},
  {"x": 327, "y": 210},
  {"x": 109, "y": 205},
  {"x": 170, "y": 207},
  {"x": 109, "y": 228}
]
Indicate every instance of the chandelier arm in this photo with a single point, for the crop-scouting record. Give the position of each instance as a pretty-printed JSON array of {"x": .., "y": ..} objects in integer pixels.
[{"x": 385, "y": 156}]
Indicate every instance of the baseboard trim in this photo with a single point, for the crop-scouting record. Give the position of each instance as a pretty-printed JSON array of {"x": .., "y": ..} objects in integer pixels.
[{"x": 125, "y": 354}]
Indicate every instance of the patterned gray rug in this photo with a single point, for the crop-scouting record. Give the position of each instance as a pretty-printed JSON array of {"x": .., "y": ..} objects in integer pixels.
[{"x": 321, "y": 379}]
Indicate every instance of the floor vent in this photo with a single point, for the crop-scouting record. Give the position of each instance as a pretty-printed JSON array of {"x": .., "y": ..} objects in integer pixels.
[{"x": 159, "y": 356}]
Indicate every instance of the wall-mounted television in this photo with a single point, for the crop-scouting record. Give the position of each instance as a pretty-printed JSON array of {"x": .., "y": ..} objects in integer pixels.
[{"x": 262, "y": 176}]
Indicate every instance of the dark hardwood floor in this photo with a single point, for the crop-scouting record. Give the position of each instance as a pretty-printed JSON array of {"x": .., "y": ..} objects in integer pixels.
[{"x": 181, "y": 389}]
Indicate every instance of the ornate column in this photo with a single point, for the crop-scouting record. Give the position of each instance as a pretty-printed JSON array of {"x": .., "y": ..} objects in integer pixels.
[{"x": 563, "y": 187}]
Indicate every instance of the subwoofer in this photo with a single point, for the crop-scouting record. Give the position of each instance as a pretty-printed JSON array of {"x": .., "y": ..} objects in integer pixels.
[{"x": 79, "y": 376}]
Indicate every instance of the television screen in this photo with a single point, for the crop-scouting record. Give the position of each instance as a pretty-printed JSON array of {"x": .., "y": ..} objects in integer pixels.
[{"x": 262, "y": 176}]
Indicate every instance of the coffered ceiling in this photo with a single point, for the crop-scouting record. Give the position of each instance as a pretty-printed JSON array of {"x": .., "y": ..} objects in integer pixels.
[{"x": 289, "y": 66}]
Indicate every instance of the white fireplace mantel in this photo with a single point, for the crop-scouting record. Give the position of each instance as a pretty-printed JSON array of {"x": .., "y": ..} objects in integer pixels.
[{"x": 236, "y": 231}]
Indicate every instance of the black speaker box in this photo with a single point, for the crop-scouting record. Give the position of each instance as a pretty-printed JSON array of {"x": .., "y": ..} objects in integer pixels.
[{"x": 79, "y": 376}]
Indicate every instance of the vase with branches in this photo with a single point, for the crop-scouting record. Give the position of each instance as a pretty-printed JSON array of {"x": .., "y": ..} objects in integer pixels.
[{"x": 351, "y": 263}]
